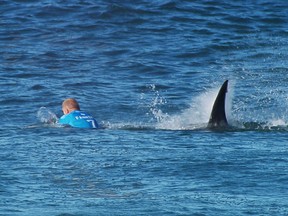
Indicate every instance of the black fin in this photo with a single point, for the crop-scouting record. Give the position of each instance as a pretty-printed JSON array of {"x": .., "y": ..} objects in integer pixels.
[{"x": 218, "y": 114}]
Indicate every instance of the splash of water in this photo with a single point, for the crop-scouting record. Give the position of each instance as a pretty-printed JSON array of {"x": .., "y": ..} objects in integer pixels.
[
  {"x": 46, "y": 116},
  {"x": 242, "y": 116},
  {"x": 277, "y": 122},
  {"x": 196, "y": 116},
  {"x": 262, "y": 109}
]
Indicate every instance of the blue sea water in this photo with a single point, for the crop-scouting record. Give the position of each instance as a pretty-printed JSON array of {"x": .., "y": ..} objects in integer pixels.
[{"x": 149, "y": 72}]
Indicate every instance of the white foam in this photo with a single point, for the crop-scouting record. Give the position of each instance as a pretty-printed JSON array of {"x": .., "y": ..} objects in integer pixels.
[
  {"x": 46, "y": 116},
  {"x": 194, "y": 117},
  {"x": 197, "y": 115},
  {"x": 276, "y": 123}
]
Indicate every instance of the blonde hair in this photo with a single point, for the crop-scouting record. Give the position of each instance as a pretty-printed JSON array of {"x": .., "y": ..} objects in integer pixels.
[{"x": 71, "y": 104}]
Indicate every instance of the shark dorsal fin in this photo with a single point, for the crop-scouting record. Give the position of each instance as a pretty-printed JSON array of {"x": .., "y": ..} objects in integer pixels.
[{"x": 218, "y": 115}]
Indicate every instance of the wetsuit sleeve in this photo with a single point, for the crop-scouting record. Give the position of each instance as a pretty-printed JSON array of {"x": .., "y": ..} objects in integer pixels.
[{"x": 65, "y": 119}]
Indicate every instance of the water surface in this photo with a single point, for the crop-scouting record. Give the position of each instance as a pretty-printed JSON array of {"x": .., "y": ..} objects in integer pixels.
[{"x": 149, "y": 72}]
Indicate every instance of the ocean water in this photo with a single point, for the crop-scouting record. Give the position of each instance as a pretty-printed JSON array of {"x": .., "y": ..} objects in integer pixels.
[{"x": 149, "y": 72}]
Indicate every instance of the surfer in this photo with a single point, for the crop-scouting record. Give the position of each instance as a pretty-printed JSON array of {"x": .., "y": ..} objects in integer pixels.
[{"x": 74, "y": 117}]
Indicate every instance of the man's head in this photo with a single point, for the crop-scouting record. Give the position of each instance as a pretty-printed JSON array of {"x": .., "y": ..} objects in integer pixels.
[{"x": 70, "y": 105}]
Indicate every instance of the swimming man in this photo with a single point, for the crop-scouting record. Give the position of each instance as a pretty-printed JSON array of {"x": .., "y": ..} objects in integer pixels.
[{"x": 74, "y": 117}]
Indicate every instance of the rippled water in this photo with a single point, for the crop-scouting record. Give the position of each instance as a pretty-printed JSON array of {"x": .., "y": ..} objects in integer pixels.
[{"x": 149, "y": 72}]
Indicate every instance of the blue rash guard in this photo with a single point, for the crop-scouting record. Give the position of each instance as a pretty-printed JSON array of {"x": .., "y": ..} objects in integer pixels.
[{"x": 78, "y": 119}]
